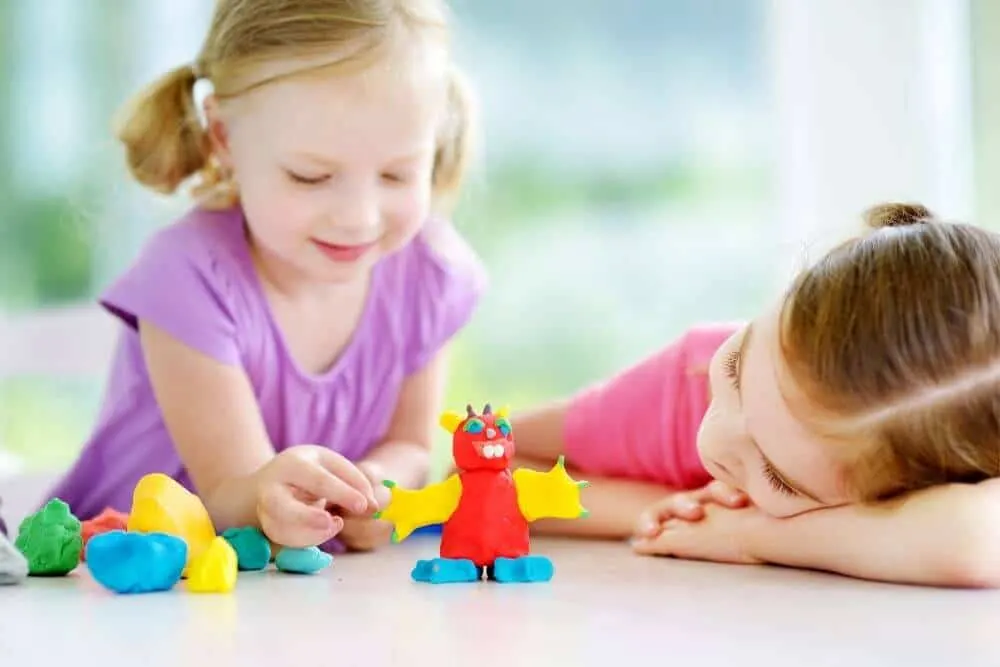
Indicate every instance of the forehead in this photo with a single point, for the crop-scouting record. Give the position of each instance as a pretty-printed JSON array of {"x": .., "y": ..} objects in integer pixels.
[
  {"x": 780, "y": 433},
  {"x": 392, "y": 100}
]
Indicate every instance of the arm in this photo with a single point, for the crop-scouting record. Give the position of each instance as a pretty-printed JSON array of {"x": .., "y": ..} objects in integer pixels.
[
  {"x": 211, "y": 413},
  {"x": 408, "y": 510},
  {"x": 404, "y": 455},
  {"x": 943, "y": 536}
]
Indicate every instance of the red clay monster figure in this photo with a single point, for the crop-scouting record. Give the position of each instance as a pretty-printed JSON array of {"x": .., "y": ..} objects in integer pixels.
[{"x": 486, "y": 509}]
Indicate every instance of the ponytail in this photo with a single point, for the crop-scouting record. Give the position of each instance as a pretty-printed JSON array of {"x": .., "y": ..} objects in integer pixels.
[
  {"x": 164, "y": 140},
  {"x": 454, "y": 141}
]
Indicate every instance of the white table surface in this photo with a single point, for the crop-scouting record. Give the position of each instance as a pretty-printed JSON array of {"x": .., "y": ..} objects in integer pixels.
[{"x": 604, "y": 605}]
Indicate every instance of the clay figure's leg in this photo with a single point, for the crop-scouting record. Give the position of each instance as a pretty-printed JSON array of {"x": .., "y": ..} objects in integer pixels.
[
  {"x": 523, "y": 570},
  {"x": 445, "y": 571}
]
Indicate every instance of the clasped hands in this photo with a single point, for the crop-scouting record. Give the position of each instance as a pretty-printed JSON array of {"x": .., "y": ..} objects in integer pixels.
[{"x": 711, "y": 523}]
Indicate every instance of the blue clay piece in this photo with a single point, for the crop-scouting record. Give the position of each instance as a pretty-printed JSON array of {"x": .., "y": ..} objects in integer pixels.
[
  {"x": 302, "y": 561},
  {"x": 523, "y": 570},
  {"x": 445, "y": 571},
  {"x": 136, "y": 562},
  {"x": 253, "y": 551}
]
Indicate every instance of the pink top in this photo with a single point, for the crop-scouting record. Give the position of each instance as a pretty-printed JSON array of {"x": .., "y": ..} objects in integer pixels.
[{"x": 643, "y": 422}]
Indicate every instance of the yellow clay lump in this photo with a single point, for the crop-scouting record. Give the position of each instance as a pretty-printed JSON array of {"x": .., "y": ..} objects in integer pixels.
[
  {"x": 215, "y": 570},
  {"x": 161, "y": 505}
]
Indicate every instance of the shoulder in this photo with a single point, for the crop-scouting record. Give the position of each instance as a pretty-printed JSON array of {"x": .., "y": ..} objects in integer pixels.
[
  {"x": 441, "y": 254},
  {"x": 189, "y": 279},
  {"x": 440, "y": 281},
  {"x": 200, "y": 238}
]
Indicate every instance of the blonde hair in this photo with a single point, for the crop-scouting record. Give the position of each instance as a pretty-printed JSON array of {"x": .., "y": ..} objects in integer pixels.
[
  {"x": 895, "y": 337},
  {"x": 165, "y": 142}
]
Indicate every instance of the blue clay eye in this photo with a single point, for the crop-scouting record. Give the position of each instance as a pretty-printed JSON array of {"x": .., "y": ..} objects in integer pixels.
[
  {"x": 504, "y": 427},
  {"x": 474, "y": 426}
]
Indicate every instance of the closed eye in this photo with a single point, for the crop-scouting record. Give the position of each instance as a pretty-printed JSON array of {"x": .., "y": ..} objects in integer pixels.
[
  {"x": 307, "y": 180},
  {"x": 394, "y": 178},
  {"x": 731, "y": 367},
  {"x": 775, "y": 480}
]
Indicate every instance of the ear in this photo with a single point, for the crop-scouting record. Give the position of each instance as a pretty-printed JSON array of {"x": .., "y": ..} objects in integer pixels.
[
  {"x": 504, "y": 412},
  {"x": 450, "y": 421},
  {"x": 218, "y": 132}
]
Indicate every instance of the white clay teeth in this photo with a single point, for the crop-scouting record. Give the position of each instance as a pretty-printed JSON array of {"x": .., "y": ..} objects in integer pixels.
[{"x": 493, "y": 451}]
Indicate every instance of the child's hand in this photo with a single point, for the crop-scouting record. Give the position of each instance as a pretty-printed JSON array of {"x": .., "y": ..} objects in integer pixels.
[
  {"x": 720, "y": 535},
  {"x": 299, "y": 487},
  {"x": 688, "y": 505},
  {"x": 362, "y": 532}
]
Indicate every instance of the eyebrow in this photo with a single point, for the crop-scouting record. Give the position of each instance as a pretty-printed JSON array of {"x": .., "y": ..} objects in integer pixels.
[
  {"x": 325, "y": 161},
  {"x": 798, "y": 488}
]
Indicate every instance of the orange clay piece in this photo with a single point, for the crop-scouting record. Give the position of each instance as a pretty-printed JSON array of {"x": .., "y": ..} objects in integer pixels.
[
  {"x": 215, "y": 570},
  {"x": 107, "y": 520},
  {"x": 161, "y": 505}
]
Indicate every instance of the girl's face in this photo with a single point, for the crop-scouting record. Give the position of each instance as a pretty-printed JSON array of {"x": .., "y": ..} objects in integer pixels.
[
  {"x": 334, "y": 170},
  {"x": 751, "y": 440}
]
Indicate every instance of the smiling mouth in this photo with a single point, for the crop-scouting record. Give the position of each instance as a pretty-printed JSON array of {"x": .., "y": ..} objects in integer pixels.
[{"x": 343, "y": 252}]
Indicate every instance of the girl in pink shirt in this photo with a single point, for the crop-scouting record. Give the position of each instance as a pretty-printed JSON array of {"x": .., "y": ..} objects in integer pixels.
[{"x": 852, "y": 428}]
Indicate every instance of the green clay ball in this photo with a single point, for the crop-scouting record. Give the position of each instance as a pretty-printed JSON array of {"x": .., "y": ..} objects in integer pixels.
[
  {"x": 253, "y": 551},
  {"x": 51, "y": 540}
]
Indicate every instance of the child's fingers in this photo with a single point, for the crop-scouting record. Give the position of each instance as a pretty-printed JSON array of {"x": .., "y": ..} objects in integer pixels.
[
  {"x": 291, "y": 522},
  {"x": 723, "y": 494},
  {"x": 344, "y": 470},
  {"x": 677, "y": 505},
  {"x": 320, "y": 482}
]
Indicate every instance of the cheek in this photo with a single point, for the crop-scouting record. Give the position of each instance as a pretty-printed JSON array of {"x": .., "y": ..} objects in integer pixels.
[{"x": 405, "y": 211}]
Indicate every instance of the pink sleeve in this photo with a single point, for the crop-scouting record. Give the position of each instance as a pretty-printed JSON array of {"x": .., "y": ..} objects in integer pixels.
[
  {"x": 643, "y": 422},
  {"x": 177, "y": 285}
]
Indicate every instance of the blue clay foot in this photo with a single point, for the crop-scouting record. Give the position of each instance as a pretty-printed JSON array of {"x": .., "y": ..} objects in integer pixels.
[
  {"x": 302, "y": 561},
  {"x": 445, "y": 571},
  {"x": 523, "y": 570}
]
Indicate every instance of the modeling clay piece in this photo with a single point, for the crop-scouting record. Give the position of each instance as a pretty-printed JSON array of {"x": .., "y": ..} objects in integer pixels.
[
  {"x": 253, "y": 551},
  {"x": 13, "y": 566},
  {"x": 302, "y": 561},
  {"x": 161, "y": 505},
  {"x": 109, "y": 519},
  {"x": 50, "y": 540},
  {"x": 485, "y": 508},
  {"x": 136, "y": 562},
  {"x": 214, "y": 570}
]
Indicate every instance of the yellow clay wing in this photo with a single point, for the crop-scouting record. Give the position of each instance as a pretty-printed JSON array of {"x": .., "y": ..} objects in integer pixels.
[
  {"x": 409, "y": 509},
  {"x": 549, "y": 495}
]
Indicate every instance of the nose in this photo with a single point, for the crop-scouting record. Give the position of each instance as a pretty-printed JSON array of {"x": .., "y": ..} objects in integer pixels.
[
  {"x": 357, "y": 209},
  {"x": 491, "y": 433}
]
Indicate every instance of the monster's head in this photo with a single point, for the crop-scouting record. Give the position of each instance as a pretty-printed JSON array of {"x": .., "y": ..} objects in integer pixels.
[{"x": 480, "y": 442}]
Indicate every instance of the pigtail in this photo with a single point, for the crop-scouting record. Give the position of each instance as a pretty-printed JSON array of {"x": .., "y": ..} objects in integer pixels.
[
  {"x": 454, "y": 141},
  {"x": 164, "y": 140}
]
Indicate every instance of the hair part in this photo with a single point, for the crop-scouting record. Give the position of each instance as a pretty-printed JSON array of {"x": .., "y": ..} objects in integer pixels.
[
  {"x": 895, "y": 338},
  {"x": 166, "y": 145}
]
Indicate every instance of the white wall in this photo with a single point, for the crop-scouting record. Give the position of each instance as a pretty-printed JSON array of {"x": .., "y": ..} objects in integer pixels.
[{"x": 873, "y": 103}]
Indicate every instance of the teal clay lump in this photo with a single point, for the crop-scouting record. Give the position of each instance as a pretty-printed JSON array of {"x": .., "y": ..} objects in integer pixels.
[
  {"x": 302, "y": 561},
  {"x": 253, "y": 551},
  {"x": 51, "y": 540}
]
